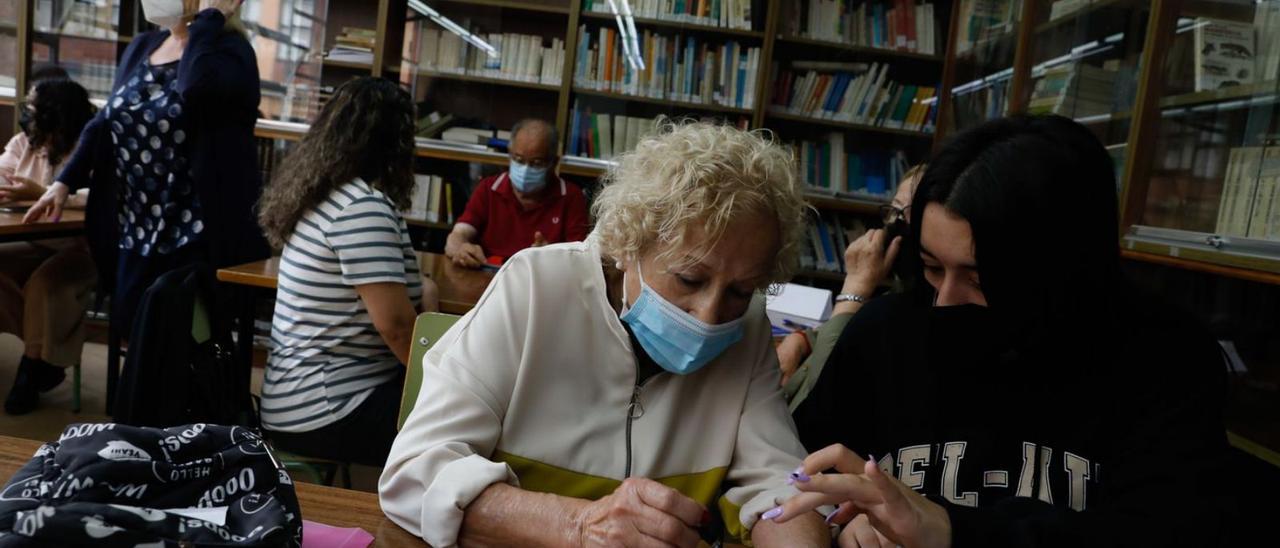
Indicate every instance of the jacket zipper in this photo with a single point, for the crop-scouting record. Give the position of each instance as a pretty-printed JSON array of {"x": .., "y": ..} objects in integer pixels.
[{"x": 635, "y": 410}]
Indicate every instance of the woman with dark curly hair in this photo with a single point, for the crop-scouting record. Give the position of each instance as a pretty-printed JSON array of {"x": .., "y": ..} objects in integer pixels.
[
  {"x": 350, "y": 286},
  {"x": 44, "y": 285}
]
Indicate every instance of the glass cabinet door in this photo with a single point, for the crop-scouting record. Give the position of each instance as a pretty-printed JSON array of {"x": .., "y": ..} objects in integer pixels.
[
  {"x": 287, "y": 36},
  {"x": 1215, "y": 168},
  {"x": 985, "y": 43},
  {"x": 81, "y": 36},
  {"x": 1085, "y": 65}
]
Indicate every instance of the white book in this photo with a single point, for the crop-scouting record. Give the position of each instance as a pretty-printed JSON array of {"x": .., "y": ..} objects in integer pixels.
[
  {"x": 428, "y": 49},
  {"x": 860, "y": 86},
  {"x": 606, "y": 134},
  {"x": 619, "y": 134},
  {"x": 1224, "y": 54},
  {"x": 1266, "y": 20},
  {"x": 838, "y": 163}
]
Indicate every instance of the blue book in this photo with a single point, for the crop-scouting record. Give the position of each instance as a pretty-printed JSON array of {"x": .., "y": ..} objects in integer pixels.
[
  {"x": 742, "y": 79},
  {"x": 573, "y": 130},
  {"x": 831, "y": 93},
  {"x": 828, "y": 253},
  {"x": 877, "y": 25},
  {"x": 854, "y": 169}
]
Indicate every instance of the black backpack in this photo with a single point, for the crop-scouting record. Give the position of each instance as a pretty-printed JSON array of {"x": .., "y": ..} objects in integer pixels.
[{"x": 109, "y": 485}]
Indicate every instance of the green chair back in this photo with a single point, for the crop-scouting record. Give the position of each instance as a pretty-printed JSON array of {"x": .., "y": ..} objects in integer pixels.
[{"x": 428, "y": 329}]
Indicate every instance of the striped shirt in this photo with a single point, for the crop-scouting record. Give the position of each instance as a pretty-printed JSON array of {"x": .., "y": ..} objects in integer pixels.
[{"x": 326, "y": 355}]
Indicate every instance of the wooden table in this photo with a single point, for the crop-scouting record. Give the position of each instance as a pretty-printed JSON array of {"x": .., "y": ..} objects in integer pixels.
[
  {"x": 327, "y": 505},
  {"x": 460, "y": 288},
  {"x": 13, "y": 230}
]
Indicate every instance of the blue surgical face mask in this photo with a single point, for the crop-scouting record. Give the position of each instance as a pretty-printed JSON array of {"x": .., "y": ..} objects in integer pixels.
[
  {"x": 527, "y": 179},
  {"x": 677, "y": 341}
]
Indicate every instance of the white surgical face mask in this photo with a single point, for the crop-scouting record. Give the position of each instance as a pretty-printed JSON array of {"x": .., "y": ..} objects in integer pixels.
[{"x": 164, "y": 13}]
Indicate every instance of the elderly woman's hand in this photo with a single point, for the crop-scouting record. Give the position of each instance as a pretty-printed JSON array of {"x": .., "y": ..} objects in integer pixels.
[
  {"x": 641, "y": 513},
  {"x": 792, "y": 352},
  {"x": 893, "y": 510},
  {"x": 227, "y": 7}
]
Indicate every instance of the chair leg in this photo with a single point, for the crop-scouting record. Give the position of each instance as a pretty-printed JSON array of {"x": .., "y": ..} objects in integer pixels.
[{"x": 75, "y": 388}]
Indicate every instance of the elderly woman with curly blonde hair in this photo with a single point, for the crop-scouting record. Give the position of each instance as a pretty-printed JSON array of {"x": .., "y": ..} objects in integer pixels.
[{"x": 621, "y": 391}]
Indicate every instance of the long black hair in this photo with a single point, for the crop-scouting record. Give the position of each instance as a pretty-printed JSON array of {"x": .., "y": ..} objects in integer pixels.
[
  {"x": 365, "y": 130},
  {"x": 62, "y": 109},
  {"x": 1039, "y": 194}
]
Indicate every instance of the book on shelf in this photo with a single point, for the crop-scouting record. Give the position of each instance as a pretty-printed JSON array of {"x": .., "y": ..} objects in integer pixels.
[
  {"x": 980, "y": 104},
  {"x": 604, "y": 136},
  {"x": 983, "y": 19},
  {"x": 1250, "y": 202},
  {"x": 902, "y": 25},
  {"x": 430, "y": 200},
  {"x": 1074, "y": 89},
  {"x": 1063, "y": 8},
  {"x": 828, "y": 167},
  {"x": 730, "y": 14},
  {"x": 865, "y": 97},
  {"x": 1224, "y": 53},
  {"x": 431, "y": 125},
  {"x": 353, "y": 45},
  {"x": 521, "y": 57},
  {"x": 681, "y": 67},
  {"x": 829, "y": 233},
  {"x": 1266, "y": 19}
]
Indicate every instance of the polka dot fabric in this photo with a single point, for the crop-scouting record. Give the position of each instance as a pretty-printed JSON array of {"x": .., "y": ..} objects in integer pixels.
[{"x": 159, "y": 211}]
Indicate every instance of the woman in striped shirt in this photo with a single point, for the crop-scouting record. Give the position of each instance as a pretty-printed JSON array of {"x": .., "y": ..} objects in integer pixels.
[{"x": 350, "y": 286}]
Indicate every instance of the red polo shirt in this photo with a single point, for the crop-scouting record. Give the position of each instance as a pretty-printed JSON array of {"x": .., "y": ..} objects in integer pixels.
[{"x": 506, "y": 227}]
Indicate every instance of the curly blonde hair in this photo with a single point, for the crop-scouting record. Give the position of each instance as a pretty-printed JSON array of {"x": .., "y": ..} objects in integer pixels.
[{"x": 696, "y": 172}]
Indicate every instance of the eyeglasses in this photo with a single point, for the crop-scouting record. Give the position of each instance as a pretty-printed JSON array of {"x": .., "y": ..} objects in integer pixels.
[
  {"x": 890, "y": 213},
  {"x": 533, "y": 162}
]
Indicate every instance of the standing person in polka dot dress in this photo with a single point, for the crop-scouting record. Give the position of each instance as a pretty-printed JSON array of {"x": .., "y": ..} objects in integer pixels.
[{"x": 171, "y": 158}]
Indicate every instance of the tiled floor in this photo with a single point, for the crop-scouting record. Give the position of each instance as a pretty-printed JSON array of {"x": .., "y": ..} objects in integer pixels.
[{"x": 54, "y": 414}]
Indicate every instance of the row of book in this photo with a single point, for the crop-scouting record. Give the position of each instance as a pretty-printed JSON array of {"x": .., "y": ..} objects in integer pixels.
[
  {"x": 431, "y": 200},
  {"x": 980, "y": 20},
  {"x": 1250, "y": 201},
  {"x": 829, "y": 234},
  {"x": 732, "y": 14},
  {"x": 856, "y": 94},
  {"x": 683, "y": 67},
  {"x": 826, "y": 166},
  {"x": 1074, "y": 89},
  {"x": 901, "y": 25},
  {"x": 981, "y": 104},
  {"x": 604, "y": 136},
  {"x": 521, "y": 57},
  {"x": 353, "y": 45},
  {"x": 1266, "y": 19}
]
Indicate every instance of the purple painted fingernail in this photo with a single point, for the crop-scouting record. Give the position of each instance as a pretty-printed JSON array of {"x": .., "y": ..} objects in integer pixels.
[
  {"x": 831, "y": 516},
  {"x": 797, "y": 475},
  {"x": 771, "y": 514}
]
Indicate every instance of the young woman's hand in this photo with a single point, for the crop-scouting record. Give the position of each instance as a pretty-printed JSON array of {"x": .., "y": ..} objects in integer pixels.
[
  {"x": 859, "y": 487},
  {"x": 20, "y": 188},
  {"x": 49, "y": 206},
  {"x": 227, "y": 7}
]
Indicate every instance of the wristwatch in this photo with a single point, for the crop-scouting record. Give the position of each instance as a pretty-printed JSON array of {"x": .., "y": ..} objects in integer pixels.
[{"x": 850, "y": 297}]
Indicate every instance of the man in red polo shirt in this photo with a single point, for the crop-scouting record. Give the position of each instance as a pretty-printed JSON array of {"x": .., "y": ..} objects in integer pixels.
[{"x": 526, "y": 206}]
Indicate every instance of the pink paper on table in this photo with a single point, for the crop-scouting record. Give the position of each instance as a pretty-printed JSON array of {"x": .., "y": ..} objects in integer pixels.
[{"x": 319, "y": 535}]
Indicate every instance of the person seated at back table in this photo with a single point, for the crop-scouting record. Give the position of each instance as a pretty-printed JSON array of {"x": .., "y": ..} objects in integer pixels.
[
  {"x": 1024, "y": 393},
  {"x": 526, "y": 206},
  {"x": 349, "y": 285},
  {"x": 870, "y": 261},
  {"x": 45, "y": 285}
]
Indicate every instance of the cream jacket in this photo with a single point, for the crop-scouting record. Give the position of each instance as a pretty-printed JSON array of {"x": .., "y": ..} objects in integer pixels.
[{"x": 533, "y": 387}]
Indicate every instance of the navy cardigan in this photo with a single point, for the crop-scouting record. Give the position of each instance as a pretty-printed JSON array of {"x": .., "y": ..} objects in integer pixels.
[{"x": 218, "y": 80}]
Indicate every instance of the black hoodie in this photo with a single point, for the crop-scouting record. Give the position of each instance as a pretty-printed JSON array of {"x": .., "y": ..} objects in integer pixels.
[{"x": 1123, "y": 417}]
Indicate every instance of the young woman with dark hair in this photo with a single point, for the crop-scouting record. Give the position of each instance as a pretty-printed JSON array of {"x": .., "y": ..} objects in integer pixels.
[
  {"x": 350, "y": 286},
  {"x": 1025, "y": 394},
  {"x": 44, "y": 285}
]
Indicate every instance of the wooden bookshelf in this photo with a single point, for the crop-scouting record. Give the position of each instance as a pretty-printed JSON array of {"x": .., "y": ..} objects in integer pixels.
[
  {"x": 883, "y": 53},
  {"x": 348, "y": 65},
  {"x": 1224, "y": 95},
  {"x": 676, "y": 25},
  {"x": 663, "y": 102},
  {"x": 1083, "y": 13},
  {"x": 850, "y": 126},
  {"x": 847, "y": 205},
  {"x": 518, "y": 6},
  {"x": 487, "y": 80}
]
